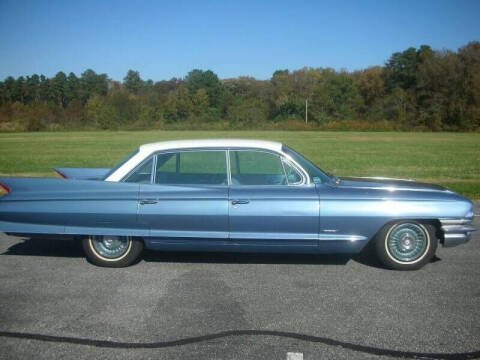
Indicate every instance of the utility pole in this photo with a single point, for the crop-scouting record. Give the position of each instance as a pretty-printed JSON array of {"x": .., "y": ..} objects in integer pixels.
[{"x": 306, "y": 111}]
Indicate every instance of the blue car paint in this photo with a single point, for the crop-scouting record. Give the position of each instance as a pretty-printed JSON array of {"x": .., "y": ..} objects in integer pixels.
[
  {"x": 281, "y": 214},
  {"x": 82, "y": 173},
  {"x": 327, "y": 217},
  {"x": 360, "y": 208},
  {"x": 58, "y": 206},
  {"x": 176, "y": 211}
]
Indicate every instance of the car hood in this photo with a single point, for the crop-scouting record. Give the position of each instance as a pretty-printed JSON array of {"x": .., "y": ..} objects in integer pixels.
[{"x": 387, "y": 183}]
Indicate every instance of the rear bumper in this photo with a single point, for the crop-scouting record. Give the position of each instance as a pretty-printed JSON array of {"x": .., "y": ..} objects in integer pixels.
[{"x": 456, "y": 231}]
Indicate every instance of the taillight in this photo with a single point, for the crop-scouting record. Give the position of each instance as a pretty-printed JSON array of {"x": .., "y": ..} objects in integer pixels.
[
  {"x": 6, "y": 188},
  {"x": 61, "y": 174}
]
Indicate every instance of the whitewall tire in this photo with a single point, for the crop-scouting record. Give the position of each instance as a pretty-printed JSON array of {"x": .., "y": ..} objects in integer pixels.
[{"x": 112, "y": 251}]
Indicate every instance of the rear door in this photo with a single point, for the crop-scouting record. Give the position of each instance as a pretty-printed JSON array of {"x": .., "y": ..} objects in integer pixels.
[
  {"x": 186, "y": 196},
  {"x": 270, "y": 203}
]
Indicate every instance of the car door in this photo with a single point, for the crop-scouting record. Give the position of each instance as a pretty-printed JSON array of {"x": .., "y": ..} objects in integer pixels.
[
  {"x": 185, "y": 196},
  {"x": 271, "y": 205}
]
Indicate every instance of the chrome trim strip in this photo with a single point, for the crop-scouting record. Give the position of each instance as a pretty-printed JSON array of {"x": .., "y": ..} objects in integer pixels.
[
  {"x": 455, "y": 236},
  {"x": 334, "y": 237},
  {"x": 229, "y": 170},
  {"x": 458, "y": 228},
  {"x": 451, "y": 240},
  {"x": 457, "y": 221},
  {"x": 376, "y": 178}
]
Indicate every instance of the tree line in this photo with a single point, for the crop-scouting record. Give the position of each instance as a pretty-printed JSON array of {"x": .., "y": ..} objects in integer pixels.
[{"x": 417, "y": 89}]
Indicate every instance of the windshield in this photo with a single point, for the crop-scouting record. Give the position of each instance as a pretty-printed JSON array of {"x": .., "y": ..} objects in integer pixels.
[
  {"x": 316, "y": 175},
  {"x": 123, "y": 161}
]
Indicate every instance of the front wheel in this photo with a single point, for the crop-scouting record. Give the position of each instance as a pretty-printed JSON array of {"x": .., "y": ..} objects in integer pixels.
[
  {"x": 112, "y": 251},
  {"x": 406, "y": 245}
]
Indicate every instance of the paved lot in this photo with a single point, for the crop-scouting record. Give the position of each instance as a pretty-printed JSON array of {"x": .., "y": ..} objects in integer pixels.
[{"x": 349, "y": 308}]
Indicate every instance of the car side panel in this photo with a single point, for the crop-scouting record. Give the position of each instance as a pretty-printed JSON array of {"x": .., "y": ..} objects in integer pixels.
[
  {"x": 184, "y": 211},
  {"x": 274, "y": 215}
]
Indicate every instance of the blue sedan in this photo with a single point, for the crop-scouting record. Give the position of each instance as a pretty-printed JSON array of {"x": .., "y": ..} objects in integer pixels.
[{"x": 233, "y": 195}]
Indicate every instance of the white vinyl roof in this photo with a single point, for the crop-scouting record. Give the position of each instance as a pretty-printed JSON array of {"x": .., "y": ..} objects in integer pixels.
[
  {"x": 147, "y": 149},
  {"x": 211, "y": 143}
]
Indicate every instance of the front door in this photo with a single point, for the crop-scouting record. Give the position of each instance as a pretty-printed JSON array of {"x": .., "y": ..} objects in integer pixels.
[{"x": 270, "y": 206}]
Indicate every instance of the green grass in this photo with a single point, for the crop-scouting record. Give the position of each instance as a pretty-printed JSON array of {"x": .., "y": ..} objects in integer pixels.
[{"x": 450, "y": 159}]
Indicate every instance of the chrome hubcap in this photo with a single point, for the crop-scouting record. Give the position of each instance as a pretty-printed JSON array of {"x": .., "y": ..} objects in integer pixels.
[
  {"x": 407, "y": 242},
  {"x": 110, "y": 246}
]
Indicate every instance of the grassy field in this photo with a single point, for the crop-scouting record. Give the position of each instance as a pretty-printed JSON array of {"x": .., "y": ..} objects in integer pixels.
[{"x": 450, "y": 159}]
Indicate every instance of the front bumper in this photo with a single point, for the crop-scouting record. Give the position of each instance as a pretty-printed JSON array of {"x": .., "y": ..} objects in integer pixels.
[{"x": 456, "y": 231}]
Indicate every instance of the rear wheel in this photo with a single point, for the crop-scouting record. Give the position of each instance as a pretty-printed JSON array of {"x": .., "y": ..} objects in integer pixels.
[
  {"x": 406, "y": 245},
  {"x": 112, "y": 251}
]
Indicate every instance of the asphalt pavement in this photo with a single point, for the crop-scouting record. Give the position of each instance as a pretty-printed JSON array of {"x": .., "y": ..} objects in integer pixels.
[{"x": 54, "y": 304}]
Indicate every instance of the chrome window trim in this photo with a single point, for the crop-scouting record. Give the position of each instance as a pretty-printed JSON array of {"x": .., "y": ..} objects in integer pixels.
[
  {"x": 306, "y": 179},
  {"x": 229, "y": 171},
  {"x": 302, "y": 171},
  {"x": 154, "y": 172},
  {"x": 285, "y": 160}
]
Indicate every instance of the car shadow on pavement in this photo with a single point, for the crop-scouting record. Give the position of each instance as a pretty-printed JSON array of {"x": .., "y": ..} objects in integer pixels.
[
  {"x": 46, "y": 247},
  {"x": 244, "y": 258},
  {"x": 368, "y": 258},
  {"x": 73, "y": 249}
]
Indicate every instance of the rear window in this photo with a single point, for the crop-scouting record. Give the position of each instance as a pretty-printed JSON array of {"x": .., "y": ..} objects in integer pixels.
[
  {"x": 123, "y": 161},
  {"x": 143, "y": 174}
]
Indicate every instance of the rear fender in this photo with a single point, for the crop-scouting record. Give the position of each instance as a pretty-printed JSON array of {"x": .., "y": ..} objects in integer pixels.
[{"x": 57, "y": 206}]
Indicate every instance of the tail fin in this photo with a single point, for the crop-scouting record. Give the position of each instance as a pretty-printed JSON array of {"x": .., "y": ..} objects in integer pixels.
[{"x": 82, "y": 173}]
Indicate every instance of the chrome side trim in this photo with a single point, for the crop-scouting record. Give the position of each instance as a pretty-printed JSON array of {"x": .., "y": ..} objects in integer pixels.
[
  {"x": 330, "y": 237},
  {"x": 378, "y": 178}
]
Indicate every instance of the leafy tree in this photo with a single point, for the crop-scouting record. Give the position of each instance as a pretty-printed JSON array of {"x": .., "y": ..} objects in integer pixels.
[
  {"x": 92, "y": 83},
  {"x": 72, "y": 87},
  {"x": 44, "y": 88},
  {"x": 9, "y": 85},
  {"x": 18, "y": 89},
  {"x": 57, "y": 89},
  {"x": 32, "y": 89},
  {"x": 179, "y": 105},
  {"x": 133, "y": 82},
  {"x": 401, "y": 70},
  {"x": 208, "y": 80},
  {"x": 200, "y": 102}
]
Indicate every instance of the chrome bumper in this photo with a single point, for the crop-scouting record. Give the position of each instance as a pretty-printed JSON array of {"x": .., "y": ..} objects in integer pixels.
[{"x": 456, "y": 231}]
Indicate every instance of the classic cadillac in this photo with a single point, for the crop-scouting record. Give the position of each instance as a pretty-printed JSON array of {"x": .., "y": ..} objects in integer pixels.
[{"x": 233, "y": 195}]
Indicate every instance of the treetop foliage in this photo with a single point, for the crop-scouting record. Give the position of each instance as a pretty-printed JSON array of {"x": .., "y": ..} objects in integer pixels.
[{"x": 416, "y": 89}]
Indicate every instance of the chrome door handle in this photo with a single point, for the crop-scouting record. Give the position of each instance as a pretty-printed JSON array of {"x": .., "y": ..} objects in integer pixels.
[
  {"x": 148, "y": 201},
  {"x": 240, "y": 201}
]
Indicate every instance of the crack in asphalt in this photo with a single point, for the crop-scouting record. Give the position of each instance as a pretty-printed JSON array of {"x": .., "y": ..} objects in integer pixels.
[{"x": 224, "y": 334}]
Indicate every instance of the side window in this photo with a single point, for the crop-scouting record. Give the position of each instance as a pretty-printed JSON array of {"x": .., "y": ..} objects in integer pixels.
[
  {"x": 192, "y": 168},
  {"x": 143, "y": 174},
  {"x": 256, "y": 168},
  {"x": 293, "y": 177}
]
